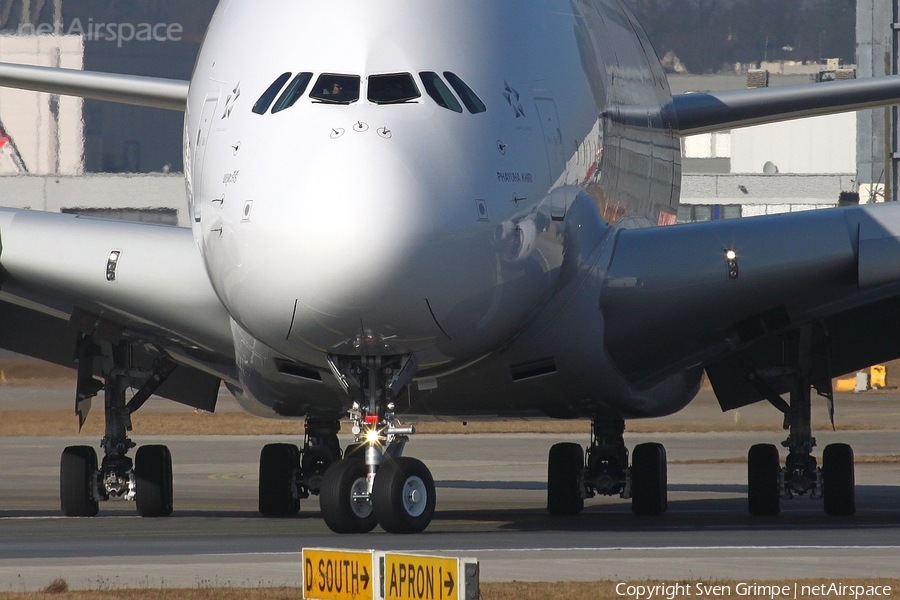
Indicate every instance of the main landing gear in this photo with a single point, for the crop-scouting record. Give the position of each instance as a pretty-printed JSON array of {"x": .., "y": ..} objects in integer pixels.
[
  {"x": 371, "y": 482},
  {"x": 769, "y": 482},
  {"x": 288, "y": 474},
  {"x": 571, "y": 478},
  {"x": 147, "y": 480}
]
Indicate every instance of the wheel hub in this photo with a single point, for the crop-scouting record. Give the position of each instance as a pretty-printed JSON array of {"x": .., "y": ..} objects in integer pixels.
[{"x": 415, "y": 496}]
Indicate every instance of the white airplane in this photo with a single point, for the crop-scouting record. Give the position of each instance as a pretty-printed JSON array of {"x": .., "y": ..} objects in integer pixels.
[{"x": 448, "y": 208}]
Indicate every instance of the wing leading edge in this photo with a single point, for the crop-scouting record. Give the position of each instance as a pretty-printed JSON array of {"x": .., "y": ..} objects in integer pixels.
[
  {"x": 61, "y": 276},
  {"x": 715, "y": 111},
  {"x": 154, "y": 92}
]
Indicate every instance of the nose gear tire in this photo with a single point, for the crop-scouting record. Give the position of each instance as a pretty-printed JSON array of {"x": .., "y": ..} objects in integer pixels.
[
  {"x": 565, "y": 469},
  {"x": 278, "y": 464},
  {"x": 76, "y": 482},
  {"x": 403, "y": 496},
  {"x": 343, "y": 513},
  {"x": 153, "y": 481}
]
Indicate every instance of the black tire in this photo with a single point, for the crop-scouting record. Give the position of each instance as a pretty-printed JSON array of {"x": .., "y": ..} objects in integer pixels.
[
  {"x": 763, "y": 468},
  {"x": 77, "y": 470},
  {"x": 341, "y": 512},
  {"x": 278, "y": 494},
  {"x": 403, "y": 496},
  {"x": 565, "y": 479},
  {"x": 649, "y": 479},
  {"x": 839, "y": 480},
  {"x": 153, "y": 481},
  {"x": 356, "y": 451}
]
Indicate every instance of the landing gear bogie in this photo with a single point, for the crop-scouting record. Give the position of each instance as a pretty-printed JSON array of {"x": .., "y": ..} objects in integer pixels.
[
  {"x": 805, "y": 366},
  {"x": 146, "y": 480},
  {"x": 571, "y": 479}
]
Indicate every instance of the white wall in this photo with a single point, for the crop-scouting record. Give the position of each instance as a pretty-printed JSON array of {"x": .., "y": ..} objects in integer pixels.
[
  {"x": 47, "y": 144},
  {"x": 814, "y": 145}
]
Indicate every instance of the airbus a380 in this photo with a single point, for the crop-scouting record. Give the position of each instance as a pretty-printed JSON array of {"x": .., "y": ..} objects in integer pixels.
[{"x": 446, "y": 208}]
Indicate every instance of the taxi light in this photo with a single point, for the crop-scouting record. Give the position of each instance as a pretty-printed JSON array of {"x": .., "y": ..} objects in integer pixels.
[
  {"x": 731, "y": 263},
  {"x": 112, "y": 264},
  {"x": 372, "y": 436}
]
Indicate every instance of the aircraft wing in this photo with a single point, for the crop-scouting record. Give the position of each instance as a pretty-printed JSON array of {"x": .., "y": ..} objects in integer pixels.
[
  {"x": 154, "y": 92},
  {"x": 715, "y": 111},
  {"x": 673, "y": 300},
  {"x": 64, "y": 276}
]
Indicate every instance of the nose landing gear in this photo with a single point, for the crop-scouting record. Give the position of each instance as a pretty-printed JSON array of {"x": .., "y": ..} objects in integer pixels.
[{"x": 374, "y": 483}]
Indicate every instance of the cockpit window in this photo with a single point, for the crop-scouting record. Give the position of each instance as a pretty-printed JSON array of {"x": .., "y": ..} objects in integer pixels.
[
  {"x": 336, "y": 89},
  {"x": 470, "y": 99},
  {"x": 392, "y": 89},
  {"x": 439, "y": 92},
  {"x": 293, "y": 92},
  {"x": 265, "y": 101}
]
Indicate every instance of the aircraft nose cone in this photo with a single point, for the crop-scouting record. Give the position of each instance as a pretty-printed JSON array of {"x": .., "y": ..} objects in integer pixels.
[
  {"x": 355, "y": 226},
  {"x": 341, "y": 238}
]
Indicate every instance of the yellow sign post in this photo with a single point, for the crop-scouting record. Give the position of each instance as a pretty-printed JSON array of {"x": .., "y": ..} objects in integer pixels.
[
  {"x": 338, "y": 575},
  {"x": 369, "y": 575},
  {"x": 415, "y": 577}
]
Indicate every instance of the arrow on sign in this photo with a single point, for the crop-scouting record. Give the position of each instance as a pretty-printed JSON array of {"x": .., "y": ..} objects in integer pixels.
[
  {"x": 449, "y": 583},
  {"x": 365, "y": 578}
]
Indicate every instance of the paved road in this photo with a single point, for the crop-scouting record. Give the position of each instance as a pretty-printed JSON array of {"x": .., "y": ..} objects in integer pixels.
[{"x": 490, "y": 505}]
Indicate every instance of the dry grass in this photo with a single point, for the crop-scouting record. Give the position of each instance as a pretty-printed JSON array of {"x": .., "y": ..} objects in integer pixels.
[
  {"x": 57, "y": 423},
  {"x": 586, "y": 590},
  {"x": 26, "y": 370},
  {"x": 63, "y": 423}
]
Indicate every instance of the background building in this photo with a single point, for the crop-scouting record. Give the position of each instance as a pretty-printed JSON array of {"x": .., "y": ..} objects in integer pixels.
[
  {"x": 41, "y": 134},
  {"x": 766, "y": 169},
  {"x": 72, "y": 149}
]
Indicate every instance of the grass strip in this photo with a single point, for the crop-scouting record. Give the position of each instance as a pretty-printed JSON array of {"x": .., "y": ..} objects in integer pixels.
[{"x": 53, "y": 423}]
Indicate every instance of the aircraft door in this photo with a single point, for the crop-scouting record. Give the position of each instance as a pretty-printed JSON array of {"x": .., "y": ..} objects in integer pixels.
[
  {"x": 201, "y": 141},
  {"x": 556, "y": 161},
  {"x": 546, "y": 109}
]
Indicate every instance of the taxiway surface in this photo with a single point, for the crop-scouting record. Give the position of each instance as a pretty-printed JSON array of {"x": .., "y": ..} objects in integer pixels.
[{"x": 491, "y": 498}]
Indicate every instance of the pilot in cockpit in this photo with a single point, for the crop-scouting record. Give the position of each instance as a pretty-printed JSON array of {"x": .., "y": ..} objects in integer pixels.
[{"x": 334, "y": 90}]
